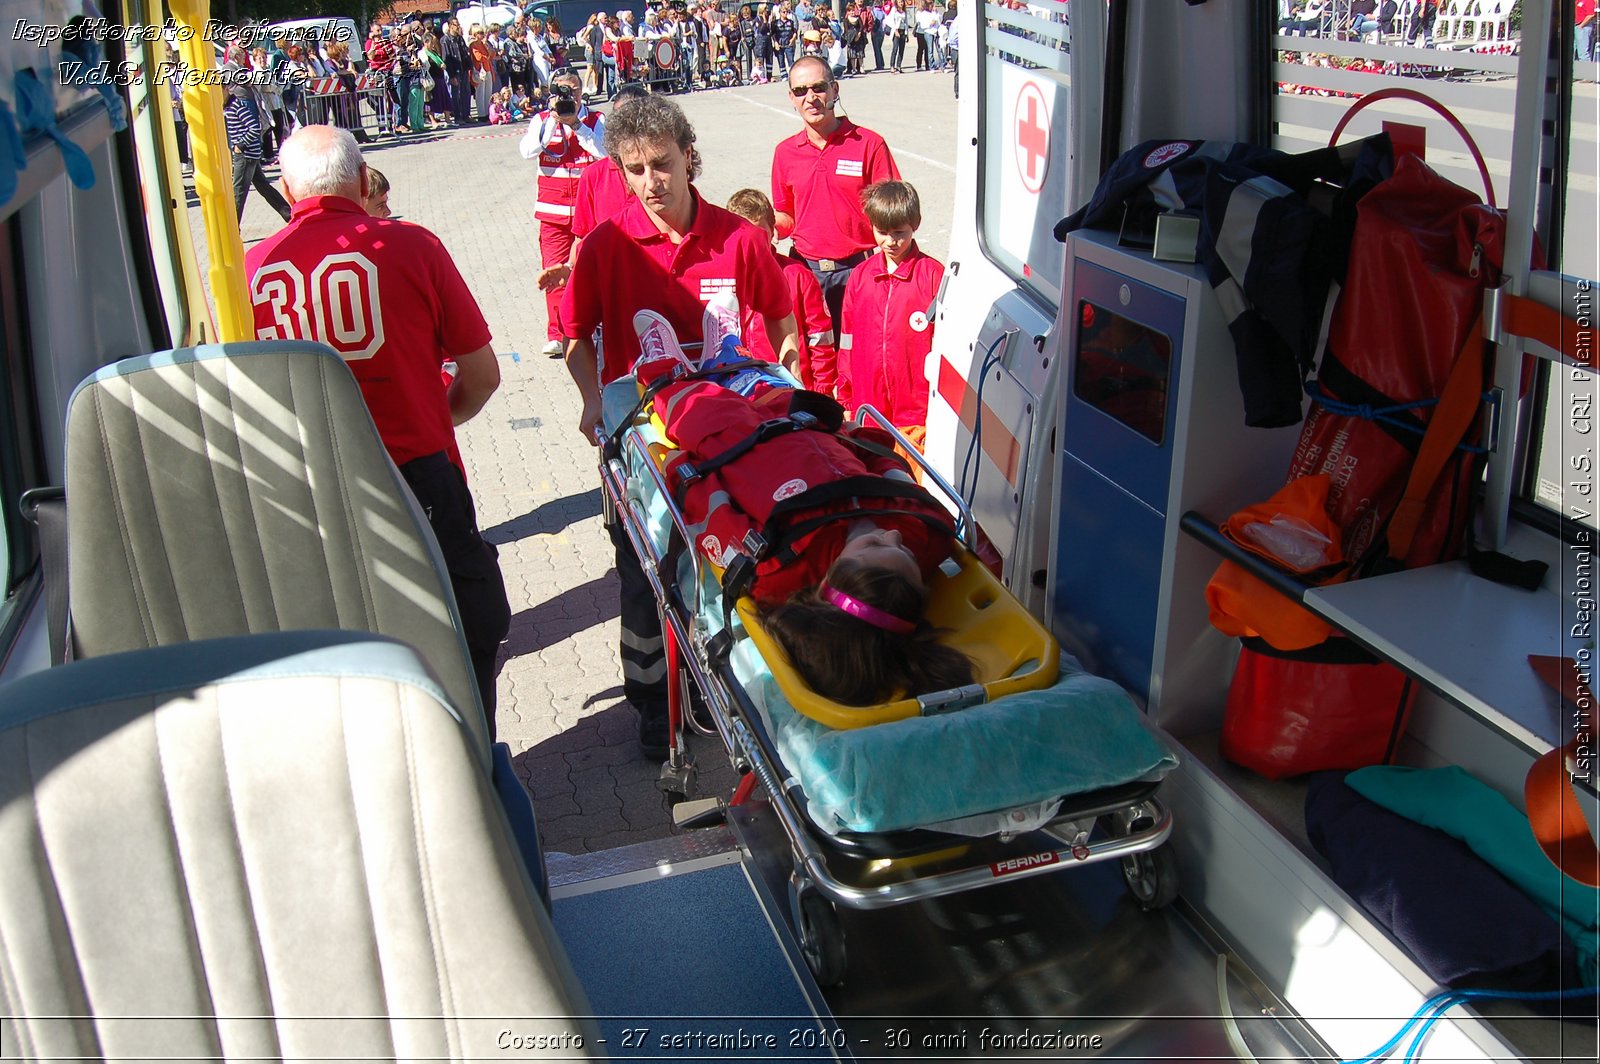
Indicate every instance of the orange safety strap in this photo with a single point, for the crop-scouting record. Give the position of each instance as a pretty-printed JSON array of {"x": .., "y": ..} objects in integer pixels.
[
  {"x": 1532, "y": 320},
  {"x": 1553, "y": 811},
  {"x": 1451, "y": 419}
]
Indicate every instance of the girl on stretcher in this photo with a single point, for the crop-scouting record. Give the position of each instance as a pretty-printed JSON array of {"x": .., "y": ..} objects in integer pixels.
[{"x": 854, "y": 540}]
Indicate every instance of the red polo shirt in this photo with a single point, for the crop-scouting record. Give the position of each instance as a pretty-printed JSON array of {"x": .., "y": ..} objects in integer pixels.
[
  {"x": 627, "y": 265},
  {"x": 602, "y": 193},
  {"x": 885, "y": 335},
  {"x": 383, "y": 293},
  {"x": 820, "y": 188}
]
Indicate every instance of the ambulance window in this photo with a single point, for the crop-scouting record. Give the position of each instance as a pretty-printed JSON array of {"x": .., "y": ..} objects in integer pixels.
[
  {"x": 1470, "y": 67},
  {"x": 1121, "y": 368},
  {"x": 1025, "y": 128},
  {"x": 1563, "y": 473},
  {"x": 78, "y": 57}
]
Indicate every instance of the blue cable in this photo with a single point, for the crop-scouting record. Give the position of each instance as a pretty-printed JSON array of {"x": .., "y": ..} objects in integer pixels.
[
  {"x": 988, "y": 363},
  {"x": 1434, "y": 1009}
]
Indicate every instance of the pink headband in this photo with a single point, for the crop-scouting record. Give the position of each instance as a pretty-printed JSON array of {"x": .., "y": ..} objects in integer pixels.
[{"x": 871, "y": 614}]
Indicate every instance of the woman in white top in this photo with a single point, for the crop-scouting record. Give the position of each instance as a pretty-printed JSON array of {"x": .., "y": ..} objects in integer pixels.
[
  {"x": 894, "y": 27},
  {"x": 834, "y": 52},
  {"x": 927, "y": 23},
  {"x": 539, "y": 49}
]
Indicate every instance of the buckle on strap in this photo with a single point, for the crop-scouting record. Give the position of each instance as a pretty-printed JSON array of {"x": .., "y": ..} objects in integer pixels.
[
  {"x": 827, "y": 265},
  {"x": 804, "y": 419}
]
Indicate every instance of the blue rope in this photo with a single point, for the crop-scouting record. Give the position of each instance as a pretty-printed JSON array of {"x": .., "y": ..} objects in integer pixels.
[
  {"x": 1368, "y": 412},
  {"x": 988, "y": 363},
  {"x": 1433, "y": 1010}
]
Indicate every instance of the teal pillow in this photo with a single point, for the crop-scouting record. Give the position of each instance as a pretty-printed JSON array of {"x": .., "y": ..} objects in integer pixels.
[{"x": 1460, "y": 805}]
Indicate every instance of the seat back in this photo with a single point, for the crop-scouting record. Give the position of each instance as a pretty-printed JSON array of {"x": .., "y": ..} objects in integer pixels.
[
  {"x": 276, "y": 846},
  {"x": 240, "y": 488}
]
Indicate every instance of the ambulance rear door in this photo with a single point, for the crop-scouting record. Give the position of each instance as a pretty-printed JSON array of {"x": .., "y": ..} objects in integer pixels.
[{"x": 1029, "y": 133}]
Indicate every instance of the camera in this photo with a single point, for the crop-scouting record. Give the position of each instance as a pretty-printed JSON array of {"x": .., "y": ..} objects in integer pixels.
[{"x": 563, "y": 104}]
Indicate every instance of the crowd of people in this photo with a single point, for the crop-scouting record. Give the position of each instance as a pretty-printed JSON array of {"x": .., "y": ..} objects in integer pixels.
[
  {"x": 758, "y": 41},
  {"x": 633, "y": 253},
  {"x": 442, "y": 73}
]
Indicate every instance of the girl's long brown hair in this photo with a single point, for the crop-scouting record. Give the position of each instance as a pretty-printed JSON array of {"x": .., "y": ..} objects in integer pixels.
[{"x": 859, "y": 664}]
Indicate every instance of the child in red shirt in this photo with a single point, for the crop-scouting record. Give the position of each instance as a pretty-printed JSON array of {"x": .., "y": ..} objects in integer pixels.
[
  {"x": 886, "y": 323},
  {"x": 817, "y": 353}
]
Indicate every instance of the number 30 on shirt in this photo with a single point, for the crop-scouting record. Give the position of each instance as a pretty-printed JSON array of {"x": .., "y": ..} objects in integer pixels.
[{"x": 337, "y": 305}]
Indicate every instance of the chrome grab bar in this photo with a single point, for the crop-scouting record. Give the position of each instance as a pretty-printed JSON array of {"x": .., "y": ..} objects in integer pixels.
[{"x": 968, "y": 527}]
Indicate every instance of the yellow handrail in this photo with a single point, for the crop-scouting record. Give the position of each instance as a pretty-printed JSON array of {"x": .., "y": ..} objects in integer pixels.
[
  {"x": 213, "y": 174},
  {"x": 189, "y": 314}
]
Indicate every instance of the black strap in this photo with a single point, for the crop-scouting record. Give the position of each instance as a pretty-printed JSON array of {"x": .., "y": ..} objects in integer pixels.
[
  {"x": 614, "y": 444},
  {"x": 1527, "y": 574},
  {"x": 869, "y": 485},
  {"x": 688, "y": 472},
  {"x": 47, "y": 509},
  {"x": 778, "y": 536},
  {"x": 785, "y": 553}
]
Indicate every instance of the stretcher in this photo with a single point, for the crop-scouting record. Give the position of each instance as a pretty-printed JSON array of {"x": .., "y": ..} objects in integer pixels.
[{"x": 1037, "y": 768}]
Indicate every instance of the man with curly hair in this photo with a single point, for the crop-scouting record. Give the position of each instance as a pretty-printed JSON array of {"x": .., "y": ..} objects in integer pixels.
[{"x": 671, "y": 252}]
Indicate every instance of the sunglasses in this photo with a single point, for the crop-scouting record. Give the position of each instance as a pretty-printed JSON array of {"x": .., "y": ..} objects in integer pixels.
[{"x": 820, "y": 88}]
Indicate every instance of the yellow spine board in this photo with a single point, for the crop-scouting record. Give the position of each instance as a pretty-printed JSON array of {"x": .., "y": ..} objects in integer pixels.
[{"x": 1010, "y": 650}]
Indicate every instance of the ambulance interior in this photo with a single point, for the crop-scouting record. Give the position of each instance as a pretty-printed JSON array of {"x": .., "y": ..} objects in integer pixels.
[{"x": 1087, "y": 406}]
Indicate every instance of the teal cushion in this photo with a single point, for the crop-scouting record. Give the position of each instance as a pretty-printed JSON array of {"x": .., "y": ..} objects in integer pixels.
[{"x": 1458, "y": 804}]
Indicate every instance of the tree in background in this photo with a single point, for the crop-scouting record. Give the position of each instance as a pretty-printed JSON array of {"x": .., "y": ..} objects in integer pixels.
[{"x": 238, "y": 11}]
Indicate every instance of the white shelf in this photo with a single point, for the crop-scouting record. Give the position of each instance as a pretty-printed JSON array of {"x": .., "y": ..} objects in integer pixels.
[{"x": 1465, "y": 636}]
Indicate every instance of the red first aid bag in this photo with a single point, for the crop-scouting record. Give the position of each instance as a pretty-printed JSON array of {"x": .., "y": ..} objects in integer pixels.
[{"x": 1333, "y": 706}]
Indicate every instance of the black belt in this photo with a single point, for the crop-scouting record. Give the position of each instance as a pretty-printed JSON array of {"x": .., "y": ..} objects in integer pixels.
[{"x": 834, "y": 265}]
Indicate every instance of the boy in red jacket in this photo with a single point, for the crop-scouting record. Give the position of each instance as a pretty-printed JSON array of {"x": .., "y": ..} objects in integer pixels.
[
  {"x": 817, "y": 354},
  {"x": 886, "y": 324}
]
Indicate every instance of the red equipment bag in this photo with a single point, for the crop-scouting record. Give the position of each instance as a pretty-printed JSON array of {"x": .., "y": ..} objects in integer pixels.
[
  {"x": 1331, "y": 707},
  {"x": 1393, "y": 424},
  {"x": 1409, "y": 314}
]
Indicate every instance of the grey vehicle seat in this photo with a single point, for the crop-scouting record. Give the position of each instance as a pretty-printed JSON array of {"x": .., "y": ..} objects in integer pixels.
[
  {"x": 273, "y": 846},
  {"x": 238, "y": 488}
]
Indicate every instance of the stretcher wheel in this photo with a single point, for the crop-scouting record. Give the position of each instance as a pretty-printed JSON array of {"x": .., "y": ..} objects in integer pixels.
[
  {"x": 821, "y": 936},
  {"x": 1152, "y": 877}
]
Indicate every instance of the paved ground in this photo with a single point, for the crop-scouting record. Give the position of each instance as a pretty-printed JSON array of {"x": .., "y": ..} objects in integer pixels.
[{"x": 561, "y": 706}]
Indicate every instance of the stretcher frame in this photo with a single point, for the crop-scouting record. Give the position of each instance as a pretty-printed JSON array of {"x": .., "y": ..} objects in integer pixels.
[{"x": 923, "y": 863}]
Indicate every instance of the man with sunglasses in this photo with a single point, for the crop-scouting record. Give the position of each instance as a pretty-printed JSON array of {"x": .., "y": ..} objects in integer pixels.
[{"x": 817, "y": 178}]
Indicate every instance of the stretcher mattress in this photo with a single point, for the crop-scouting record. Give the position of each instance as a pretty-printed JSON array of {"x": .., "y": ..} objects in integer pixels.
[{"x": 980, "y": 770}]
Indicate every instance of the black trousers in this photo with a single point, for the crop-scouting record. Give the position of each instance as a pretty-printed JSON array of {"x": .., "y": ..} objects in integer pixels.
[
  {"x": 644, "y": 663},
  {"x": 473, "y": 561},
  {"x": 461, "y": 96},
  {"x": 833, "y": 284},
  {"x": 247, "y": 172}
]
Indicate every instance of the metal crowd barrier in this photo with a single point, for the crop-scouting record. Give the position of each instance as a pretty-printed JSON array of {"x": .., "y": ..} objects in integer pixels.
[{"x": 324, "y": 101}]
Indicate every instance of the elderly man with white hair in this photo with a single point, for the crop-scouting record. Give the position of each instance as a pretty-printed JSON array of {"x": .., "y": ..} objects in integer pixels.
[{"x": 386, "y": 295}]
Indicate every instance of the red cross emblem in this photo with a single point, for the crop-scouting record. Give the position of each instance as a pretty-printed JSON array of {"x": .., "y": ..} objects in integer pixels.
[{"x": 1033, "y": 136}]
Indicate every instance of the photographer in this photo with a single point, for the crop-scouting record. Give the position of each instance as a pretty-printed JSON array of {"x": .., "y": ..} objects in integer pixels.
[{"x": 566, "y": 139}]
